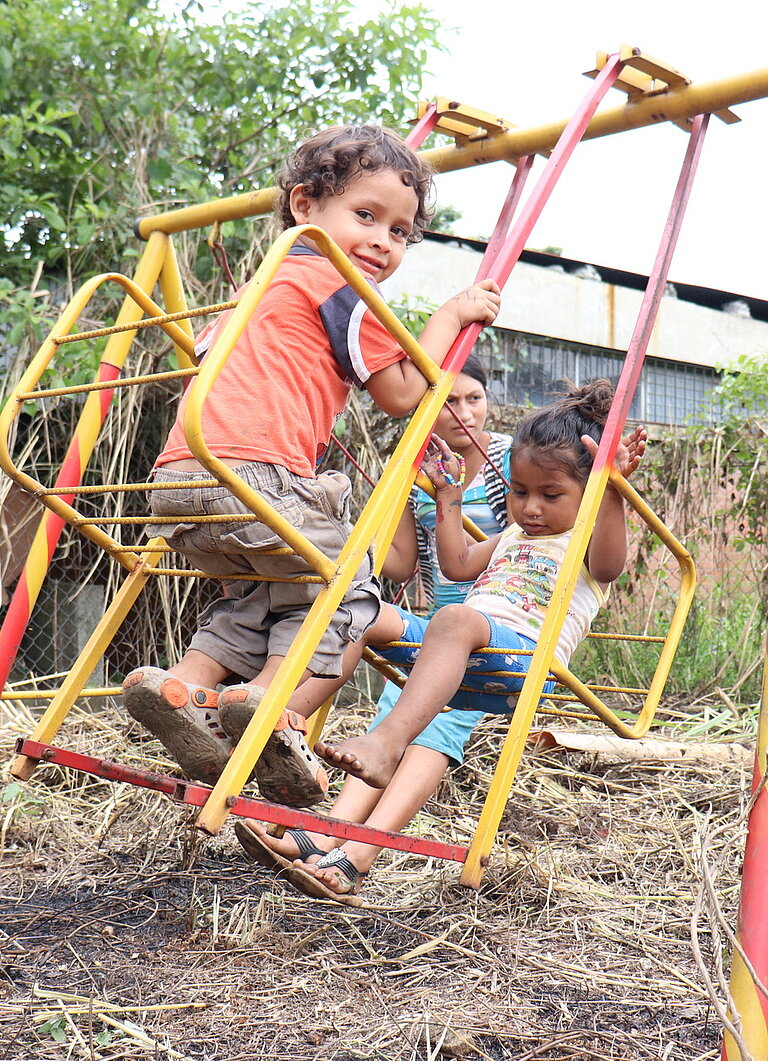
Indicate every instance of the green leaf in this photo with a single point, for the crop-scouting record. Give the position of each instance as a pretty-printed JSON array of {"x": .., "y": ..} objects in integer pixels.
[
  {"x": 56, "y": 1028},
  {"x": 10, "y": 791},
  {"x": 52, "y": 216},
  {"x": 159, "y": 169}
]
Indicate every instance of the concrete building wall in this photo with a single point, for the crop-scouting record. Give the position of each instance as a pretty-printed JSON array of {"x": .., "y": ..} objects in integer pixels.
[{"x": 545, "y": 300}]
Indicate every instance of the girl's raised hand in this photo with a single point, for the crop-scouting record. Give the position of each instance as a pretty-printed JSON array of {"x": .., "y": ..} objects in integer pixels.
[
  {"x": 634, "y": 448},
  {"x": 437, "y": 460},
  {"x": 629, "y": 451}
]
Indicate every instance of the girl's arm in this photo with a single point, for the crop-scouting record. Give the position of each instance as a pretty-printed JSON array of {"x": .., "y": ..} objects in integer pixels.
[
  {"x": 460, "y": 560},
  {"x": 399, "y": 388},
  {"x": 607, "y": 549},
  {"x": 403, "y": 554}
]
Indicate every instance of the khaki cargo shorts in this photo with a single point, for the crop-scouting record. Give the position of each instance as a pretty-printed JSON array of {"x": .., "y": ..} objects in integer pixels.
[{"x": 251, "y": 621}]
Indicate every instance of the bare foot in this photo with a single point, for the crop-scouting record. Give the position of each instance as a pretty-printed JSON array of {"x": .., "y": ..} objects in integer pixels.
[{"x": 364, "y": 757}]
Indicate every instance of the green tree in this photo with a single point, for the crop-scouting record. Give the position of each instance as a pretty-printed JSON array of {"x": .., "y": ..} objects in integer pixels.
[
  {"x": 113, "y": 108},
  {"x": 741, "y": 392}
]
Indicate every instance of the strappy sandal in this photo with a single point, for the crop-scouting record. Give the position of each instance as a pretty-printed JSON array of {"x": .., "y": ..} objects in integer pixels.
[
  {"x": 345, "y": 871},
  {"x": 261, "y": 852}
]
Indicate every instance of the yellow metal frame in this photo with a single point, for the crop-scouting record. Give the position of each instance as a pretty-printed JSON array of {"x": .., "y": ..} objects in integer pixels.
[
  {"x": 378, "y": 519},
  {"x": 671, "y": 641},
  {"x": 508, "y": 144},
  {"x": 529, "y": 702},
  {"x": 543, "y": 662},
  {"x": 656, "y": 93},
  {"x": 585, "y": 693},
  {"x": 377, "y": 515}
]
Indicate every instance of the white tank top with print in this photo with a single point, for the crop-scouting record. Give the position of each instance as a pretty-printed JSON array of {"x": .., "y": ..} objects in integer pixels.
[{"x": 517, "y": 586}]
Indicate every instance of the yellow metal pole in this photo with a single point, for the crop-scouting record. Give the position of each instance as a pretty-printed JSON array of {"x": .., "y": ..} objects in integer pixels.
[
  {"x": 175, "y": 301},
  {"x": 375, "y": 514},
  {"x": 671, "y": 641},
  {"x": 520, "y": 725},
  {"x": 316, "y": 723},
  {"x": 671, "y": 106},
  {"x": 23, "y": 767},
  {"x": 388, "y": 530}
]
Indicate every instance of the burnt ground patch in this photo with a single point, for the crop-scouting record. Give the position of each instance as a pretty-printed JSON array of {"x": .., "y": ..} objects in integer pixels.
[{"x": 124, "y": 934}]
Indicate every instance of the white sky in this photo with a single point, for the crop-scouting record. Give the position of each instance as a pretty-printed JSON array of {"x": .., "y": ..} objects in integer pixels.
[{"x": 525, "y": 63}]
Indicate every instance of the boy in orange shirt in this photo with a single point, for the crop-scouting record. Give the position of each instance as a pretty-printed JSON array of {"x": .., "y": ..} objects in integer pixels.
[{"x": 270, "y": 415}]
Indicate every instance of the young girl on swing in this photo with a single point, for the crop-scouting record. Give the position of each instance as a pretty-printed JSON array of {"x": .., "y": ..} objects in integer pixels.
[{"x": 515, "y": 571}]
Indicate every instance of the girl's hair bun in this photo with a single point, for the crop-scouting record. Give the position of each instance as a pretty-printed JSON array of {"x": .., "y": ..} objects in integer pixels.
[
  {"x": 593, "y": 399},
  {"x": 552, "y": 435}
]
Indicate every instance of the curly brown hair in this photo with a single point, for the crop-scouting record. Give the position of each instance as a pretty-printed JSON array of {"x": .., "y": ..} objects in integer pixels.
[{"x": 327, "y": 162}]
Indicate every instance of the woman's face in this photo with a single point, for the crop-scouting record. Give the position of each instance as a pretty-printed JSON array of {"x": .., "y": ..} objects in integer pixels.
[{"x": 470, "y": 403}]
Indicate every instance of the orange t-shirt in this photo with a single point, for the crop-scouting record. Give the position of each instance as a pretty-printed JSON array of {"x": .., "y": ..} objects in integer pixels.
[{"x": 286, "y": 381}]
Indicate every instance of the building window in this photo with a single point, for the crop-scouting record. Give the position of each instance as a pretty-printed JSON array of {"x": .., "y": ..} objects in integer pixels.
[{"x": 525, "y": 369}]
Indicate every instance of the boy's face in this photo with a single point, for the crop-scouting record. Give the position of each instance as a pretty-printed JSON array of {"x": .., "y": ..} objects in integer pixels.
[{"x": 371, "y": 220}]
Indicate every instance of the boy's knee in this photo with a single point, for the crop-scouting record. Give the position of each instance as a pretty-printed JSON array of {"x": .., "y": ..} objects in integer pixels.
[{"x": 388, "y": 627}]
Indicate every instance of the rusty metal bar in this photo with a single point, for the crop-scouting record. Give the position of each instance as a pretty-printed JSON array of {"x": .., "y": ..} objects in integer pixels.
[{"x": 195, "y": 795}]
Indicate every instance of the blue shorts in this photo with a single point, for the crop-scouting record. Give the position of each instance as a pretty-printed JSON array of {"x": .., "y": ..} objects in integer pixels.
[
  {"x": 448, "y": 733},
  {"x": 480, "y": 690}
]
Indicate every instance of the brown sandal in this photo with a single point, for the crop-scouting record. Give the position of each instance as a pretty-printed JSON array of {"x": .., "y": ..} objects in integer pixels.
[{"x": 261, "y": 852}]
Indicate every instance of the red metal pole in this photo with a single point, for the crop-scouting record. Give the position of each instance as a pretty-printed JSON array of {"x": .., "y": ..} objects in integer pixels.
[
  {"x": 748, "y": 1000},
  {"x": 654, "y": 292},
  {"x": 24, "y": 596},
  {"x": 496, "y": 242},
  {"x": 423, "y": 127},
  {"x": 510, "y": 251},
  {"x": 195, "y": 795}
]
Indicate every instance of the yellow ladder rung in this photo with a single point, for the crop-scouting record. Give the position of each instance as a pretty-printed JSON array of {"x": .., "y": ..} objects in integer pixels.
[
  {"x": 113, "y": 384},
  {"x": 147, "y": 322}
]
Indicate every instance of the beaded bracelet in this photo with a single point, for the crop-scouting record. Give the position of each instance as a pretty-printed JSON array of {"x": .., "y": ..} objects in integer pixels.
[{"x": 447, "y": 475}]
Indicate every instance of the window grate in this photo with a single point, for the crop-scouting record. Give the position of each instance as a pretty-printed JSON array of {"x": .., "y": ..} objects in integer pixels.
[{"x": 525, "y": 369}]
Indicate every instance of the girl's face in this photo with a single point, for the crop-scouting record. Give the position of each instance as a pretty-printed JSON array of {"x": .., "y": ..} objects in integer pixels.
[
  {"x": 470, "y": 403},
  {"x": 543, "y": 499}
]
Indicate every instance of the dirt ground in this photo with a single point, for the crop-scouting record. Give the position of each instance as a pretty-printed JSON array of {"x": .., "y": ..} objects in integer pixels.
[{"x": 124, "y": 934}]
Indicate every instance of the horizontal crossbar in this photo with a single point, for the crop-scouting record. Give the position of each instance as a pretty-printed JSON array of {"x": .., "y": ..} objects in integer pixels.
[{"x": 195, "y": 795}]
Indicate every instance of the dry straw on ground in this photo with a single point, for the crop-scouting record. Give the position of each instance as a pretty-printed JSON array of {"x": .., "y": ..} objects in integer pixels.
[{"x": 126, "y": 935}]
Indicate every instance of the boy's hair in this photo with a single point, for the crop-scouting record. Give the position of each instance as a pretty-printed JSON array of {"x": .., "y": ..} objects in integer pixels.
[
  {"x": 327, "y": 162},
  {"x": 552, "y": 435}
]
